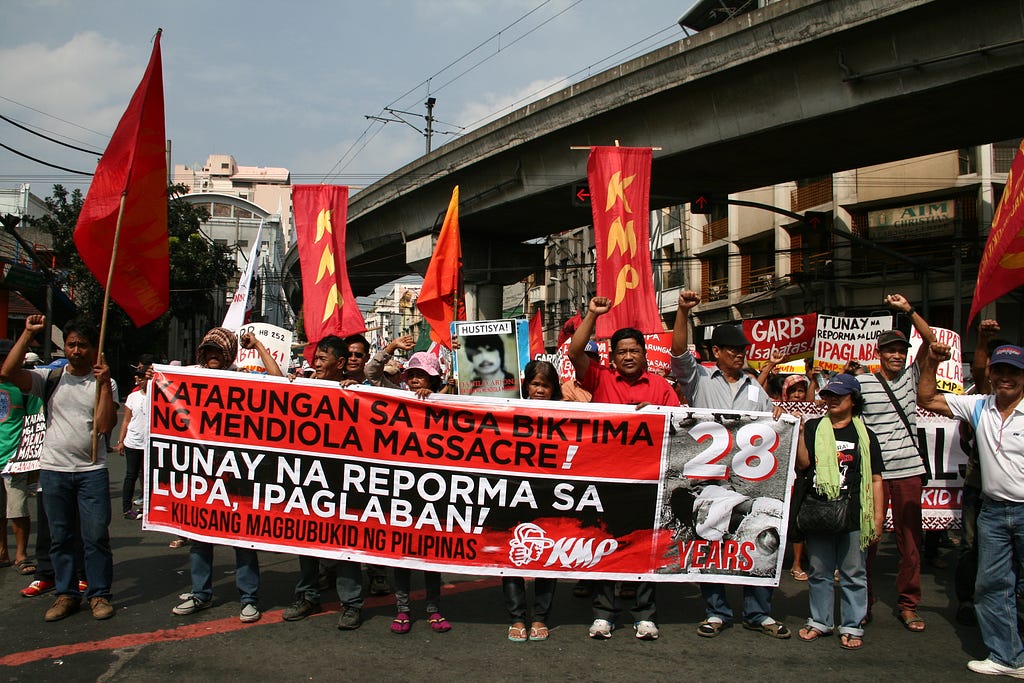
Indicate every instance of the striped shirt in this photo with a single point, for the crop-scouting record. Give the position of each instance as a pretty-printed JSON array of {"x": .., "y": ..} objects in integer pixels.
[{"x": 899, "y": 449}]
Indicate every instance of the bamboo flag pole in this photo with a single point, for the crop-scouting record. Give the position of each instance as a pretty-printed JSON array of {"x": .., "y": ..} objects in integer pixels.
[{"x": 103, "y": 318}]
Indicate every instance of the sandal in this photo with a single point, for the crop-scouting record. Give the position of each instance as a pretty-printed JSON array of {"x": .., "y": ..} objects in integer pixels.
[
  {"x": 517, "y": 633},
  {"x": 809, "y": 633},
  {"x": 177, "y": 543},
  {"x": 25, "y": 567},
  {"x": 439, "y": 623},
  {"x": 401, "y": 624},
  {"x": 848, "y": 641},
  {"x": 539, "y": 631},
  {"x": 798, "y": 574},
  {"x": 776, "y": 629},
  {"x": 910, "y": 620},
  {"x": 709, "y": 629}
]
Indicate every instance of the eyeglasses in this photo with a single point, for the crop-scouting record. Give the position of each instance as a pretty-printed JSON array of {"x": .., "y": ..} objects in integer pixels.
[{"x": 357, "y": 354}]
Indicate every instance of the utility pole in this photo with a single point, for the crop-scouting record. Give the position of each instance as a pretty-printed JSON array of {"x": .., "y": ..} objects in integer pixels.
[
  {"x": 428, "y": 132},
  {"x": 431, "y": 101}
]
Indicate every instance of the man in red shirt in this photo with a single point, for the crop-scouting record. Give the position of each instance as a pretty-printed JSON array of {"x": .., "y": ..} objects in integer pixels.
[{"x": 629, "y": 383}]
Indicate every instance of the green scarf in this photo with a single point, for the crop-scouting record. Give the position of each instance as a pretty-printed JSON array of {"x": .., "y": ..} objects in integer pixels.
[{"x": 826, "y": 470}]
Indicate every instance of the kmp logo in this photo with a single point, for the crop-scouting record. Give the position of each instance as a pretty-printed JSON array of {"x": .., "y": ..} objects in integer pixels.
[{"x": 530, "y": 543}]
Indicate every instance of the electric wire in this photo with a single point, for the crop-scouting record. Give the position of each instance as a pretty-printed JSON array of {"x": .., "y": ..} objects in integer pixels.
[
  {"x": 44, "y": 163},
  {"x": 47, "y": 137}
]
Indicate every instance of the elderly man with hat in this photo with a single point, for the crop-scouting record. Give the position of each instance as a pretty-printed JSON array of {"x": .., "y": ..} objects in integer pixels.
[
  {"x": 726, "y": 387},
  {"x": 998, "y": 420},
  {"x": 890, "y": 399}
]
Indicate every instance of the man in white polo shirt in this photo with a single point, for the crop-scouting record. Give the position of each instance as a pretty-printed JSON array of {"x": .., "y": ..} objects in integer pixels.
[{"x": 998, "y": 420}]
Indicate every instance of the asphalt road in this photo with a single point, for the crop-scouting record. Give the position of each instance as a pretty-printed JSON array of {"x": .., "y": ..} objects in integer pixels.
[{"x": 145, "y": 642}]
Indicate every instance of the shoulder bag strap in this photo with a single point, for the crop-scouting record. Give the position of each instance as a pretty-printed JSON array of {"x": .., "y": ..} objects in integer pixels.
[{"x": 899, "y": 409}]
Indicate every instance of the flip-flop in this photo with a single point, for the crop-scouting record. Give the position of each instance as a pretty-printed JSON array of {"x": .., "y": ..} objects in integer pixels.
[
  {"x": 401, "y": 624},
  {"x": 809, "y": 633},
  {"x": 517, "y": 634},
  {"x": 798, "y": 574},
  {"x": 25, "y": 567},
  {"x": 911, "y": 621},
  {"x": 539, "y": 632},
  {"x": 848, "y": 641}
]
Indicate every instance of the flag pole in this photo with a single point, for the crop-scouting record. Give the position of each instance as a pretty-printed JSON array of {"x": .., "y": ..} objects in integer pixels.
[{"x": 103, "y": 316}]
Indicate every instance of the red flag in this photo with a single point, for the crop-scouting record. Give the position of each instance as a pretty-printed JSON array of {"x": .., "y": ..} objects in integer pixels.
[
  {"x": 328, "y": 304},
  {"x": 620, "y": 186},
  {"x": 134, "y": 166},
  {"x": 569, "y": 329},
  {"x": 442, "y": 299},
  {"x": 1002, "y": 263},
  {"x": 536, "y": 333}
]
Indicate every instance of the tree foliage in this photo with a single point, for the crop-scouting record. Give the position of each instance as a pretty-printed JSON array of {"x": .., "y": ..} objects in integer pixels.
[{"x": 199, "y": 270}]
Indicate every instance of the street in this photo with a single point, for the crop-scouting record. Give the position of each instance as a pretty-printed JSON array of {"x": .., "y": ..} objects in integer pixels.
[{"x": 145, "y": 642}]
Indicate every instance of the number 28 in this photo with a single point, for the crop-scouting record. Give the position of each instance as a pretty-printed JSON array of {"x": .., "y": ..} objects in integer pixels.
[{"x": 755, "y": 454}]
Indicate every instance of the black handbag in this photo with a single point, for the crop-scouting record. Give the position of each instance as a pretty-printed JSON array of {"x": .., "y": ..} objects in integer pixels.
[{"x": 819, "y": 515}]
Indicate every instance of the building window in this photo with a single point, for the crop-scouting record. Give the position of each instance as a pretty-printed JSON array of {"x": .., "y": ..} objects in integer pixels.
[
  {"x": 224, "y": 166},
  {"x": 221, "y": 210},
  {"x": 968, "y": 161},
  {"x": 1003, "y": 154},
  {"x": 243, "y": 244}
]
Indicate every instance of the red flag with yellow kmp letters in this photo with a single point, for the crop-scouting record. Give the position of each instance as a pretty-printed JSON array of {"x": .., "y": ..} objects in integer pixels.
[
  {"x": 1002, "y": 263},
  {"x": 620, "y": 187},
  {"x": 328, "y": 305}
]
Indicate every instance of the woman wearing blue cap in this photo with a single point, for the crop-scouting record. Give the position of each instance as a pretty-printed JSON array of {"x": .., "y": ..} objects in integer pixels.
[{"x": 847, "y": 463}]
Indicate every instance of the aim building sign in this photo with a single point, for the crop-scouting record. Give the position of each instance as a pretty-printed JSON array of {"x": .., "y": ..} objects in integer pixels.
[{"x": 915, "y": 222}]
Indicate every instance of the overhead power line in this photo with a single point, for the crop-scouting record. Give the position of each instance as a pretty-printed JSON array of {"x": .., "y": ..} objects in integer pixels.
[
  {"x": 44, "y": 163},
  {"x": 47, "y": 137}
]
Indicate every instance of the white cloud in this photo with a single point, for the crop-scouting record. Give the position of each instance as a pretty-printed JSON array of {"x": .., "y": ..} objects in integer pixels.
[{"x": 489, "y": 106}]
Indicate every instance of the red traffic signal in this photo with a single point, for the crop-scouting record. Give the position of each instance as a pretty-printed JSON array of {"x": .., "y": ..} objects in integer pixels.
[{"x": 701, "y": 203}]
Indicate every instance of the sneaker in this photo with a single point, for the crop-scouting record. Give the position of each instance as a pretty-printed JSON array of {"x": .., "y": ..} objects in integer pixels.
[
  {"x": 350, "y": 619},
  {"x": 646, "y": 630},
  {"x": 299, "y": 610},
  {"x": 601, "y": 629},
  {"x": 249, "y": 613},
  {"x": 191, "y": 603},
  {"x": 379, "y": 585},
  {"x": 101, "y": 608},
  {"x": 994, "y": 668},
  {"x": 63, "y": 606},
  {"x": 37, "y": 588},
  {"x": 137, "y": 502},
  {"x": 133, "y": 514}
]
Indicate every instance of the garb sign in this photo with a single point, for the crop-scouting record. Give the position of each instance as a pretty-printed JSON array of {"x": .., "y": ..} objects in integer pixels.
[
  {"x": 462, "y": 484},
  {"x": 792, "y": 336}
]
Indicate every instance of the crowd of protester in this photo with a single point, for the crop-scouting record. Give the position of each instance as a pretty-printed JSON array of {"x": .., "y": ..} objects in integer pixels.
[{"x": 862, "y": 452}]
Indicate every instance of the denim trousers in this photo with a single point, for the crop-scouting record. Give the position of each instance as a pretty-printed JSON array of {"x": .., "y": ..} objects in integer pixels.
[
  {"x": 403, "y": 584},
  {"x": 85, "y": 495},
  {"x": 905, "y": 496},
  {"x": 514, "y": 588},
  {"x": 132, "y": 471},
  {"x": 1000, "y": 555},
  {"x": 643, "y": 608},
  {"x": 757, "y": 603},
  {"x": 348, "y": 580},
  {"x": 967, "y": 561},
  {"x": 829, "y": 552},
  {"x": 247, "y": 572}
]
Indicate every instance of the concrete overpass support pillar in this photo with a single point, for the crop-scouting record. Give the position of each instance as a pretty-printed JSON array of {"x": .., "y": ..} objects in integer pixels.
[{"x": 483, "y": 301}]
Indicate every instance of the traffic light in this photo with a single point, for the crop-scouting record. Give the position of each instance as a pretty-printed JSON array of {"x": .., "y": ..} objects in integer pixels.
[
  {"x": 581, "y": 195},
  {"x": 701, "y": 203},
  {"x": 818, "y": 221}
]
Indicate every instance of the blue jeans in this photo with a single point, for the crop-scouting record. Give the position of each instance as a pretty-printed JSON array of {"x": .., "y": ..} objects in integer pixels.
[
  {"x": 757, "y": 603},
  {"x": 1000, "y": 556},
  {"x": 348, "y": 580},
  {"x": 247, "y": 572},
  {"x": 829, "y": 552},
  {"x": 89, "y": 494}
]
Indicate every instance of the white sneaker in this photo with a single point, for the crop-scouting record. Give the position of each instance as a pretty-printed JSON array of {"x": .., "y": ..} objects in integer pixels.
[
  {"x": 191, "y": 604},
  {"x": 646, "y": 630},
  {"x": 250, "y": 613},
  {"x": 994, "y": 668},
  {"x": 601, "y": 629}
]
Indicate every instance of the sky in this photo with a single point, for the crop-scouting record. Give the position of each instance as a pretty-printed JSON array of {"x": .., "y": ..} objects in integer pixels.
[{"x": 291, "y": 83}]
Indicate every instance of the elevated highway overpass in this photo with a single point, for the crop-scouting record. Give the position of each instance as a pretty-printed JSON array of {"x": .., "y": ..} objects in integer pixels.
[{"x": 798, "y": 89}]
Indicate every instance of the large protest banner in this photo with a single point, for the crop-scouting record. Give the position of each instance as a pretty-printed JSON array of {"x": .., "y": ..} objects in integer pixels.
[
  {"x": 464, "y": 484},
  {"x": 839, "y": 340}
]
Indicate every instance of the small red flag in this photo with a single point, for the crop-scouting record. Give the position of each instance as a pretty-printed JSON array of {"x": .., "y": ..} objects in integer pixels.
[
  {"x": 328, "y": 305},
  {"x": 1002, "y": 263},
  {"x": 536, "y": 333},
  {"x": 569, "y": 329},
  {"x": 620, "y": 187},
  {"x": 134, "y": 166},
  {"x": 441, "y": 298}
]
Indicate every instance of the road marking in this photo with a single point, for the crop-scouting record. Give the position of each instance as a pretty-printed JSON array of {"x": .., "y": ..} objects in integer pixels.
[{"x": 211, "y": 628}]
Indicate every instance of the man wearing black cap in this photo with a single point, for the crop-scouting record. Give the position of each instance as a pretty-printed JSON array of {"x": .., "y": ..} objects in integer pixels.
[
  {"x": 998, "y": 420},
  {"x": 890, "y": 397},
  {"x": 726, "y": 387}
]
